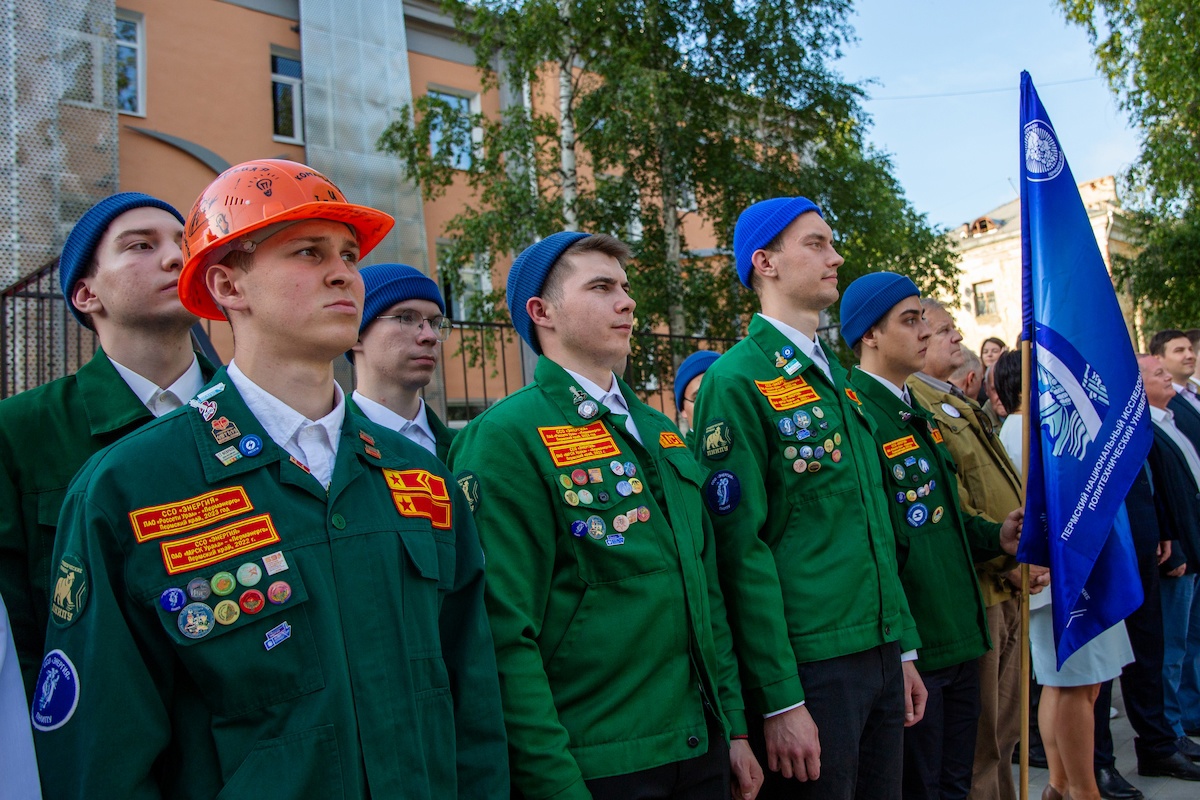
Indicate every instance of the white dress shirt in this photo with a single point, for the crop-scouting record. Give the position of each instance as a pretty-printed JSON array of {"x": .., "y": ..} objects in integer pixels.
[
  {"x": 808, "y": 346},
  {"x": 901, "y": 392},
  {"x": 18, "y": 765},
  {"x": 313, "y": 444},
  {"x": 610, "y": 398},
  {"x": 1188, "y": 392},
  {"x": 1164, "y": 418},
  {"x": 159, "y": 401},
  {"x": 416, "y": 430}
]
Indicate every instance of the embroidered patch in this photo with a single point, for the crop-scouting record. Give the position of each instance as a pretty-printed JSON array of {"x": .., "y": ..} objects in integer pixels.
[
  {"x": 936, "y": 434},
  {"x": 169, "y": 519},
  {"x": 418, "y": 493},
  {"x": 787, "y": 394},
  {"x": 571, "y": 445},
  {"x": 723, "y": 492},
  {"x": 469, "y": 483},
  {"x": 56, "y": 693},
  {"x": 853, "y": 395},
  {"x": 208, "y": 548},
  {"x": 668, "y": 439},
  {"x": 718, "y": 439},
  {"x": 70, "y": 590},
  {"x": 900, "y": 446}
]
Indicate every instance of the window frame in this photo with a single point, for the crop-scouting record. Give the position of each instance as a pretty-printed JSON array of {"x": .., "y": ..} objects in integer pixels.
[
  {"x": 989, "y": 309},
  {"x": 297, "y": 85},
  {"x": 139, "y": 46},
  {"x": 473, "y": 108}
]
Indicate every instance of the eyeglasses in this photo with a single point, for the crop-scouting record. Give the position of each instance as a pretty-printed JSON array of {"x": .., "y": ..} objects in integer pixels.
[{"x": 440, "y": 326}]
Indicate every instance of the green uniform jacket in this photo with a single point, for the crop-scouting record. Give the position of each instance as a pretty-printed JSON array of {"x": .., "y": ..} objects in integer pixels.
[
  {"x": 603, "y": 628},
  {"x": 370, "y": 674},
  {"x": 936, "y": 544},
  {"x": 442, "y": 434},
  {"x": 807, "y": 556},
  {"x": 987, "y": 482},
  {"x": 46, "y": 435}
]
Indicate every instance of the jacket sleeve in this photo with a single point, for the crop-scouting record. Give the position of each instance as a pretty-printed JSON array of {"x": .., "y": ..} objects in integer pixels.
[
  {"x": 120, "y": 673},
  {"x": 983, "y": 536},
  {"x": 746, "y": 566},
  {"x": 729, "y": 685},
  {"x": 471, "y": 663},
  {"x": 15, "y": 587},
  {"x": 518, "y": 533}
]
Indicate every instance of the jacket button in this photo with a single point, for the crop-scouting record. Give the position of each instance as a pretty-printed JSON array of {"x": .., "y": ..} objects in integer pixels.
[
  {"x": 693, "y": 741},
  {"x": 887, "y": 630},
  {"x": 339, "y": 521}
]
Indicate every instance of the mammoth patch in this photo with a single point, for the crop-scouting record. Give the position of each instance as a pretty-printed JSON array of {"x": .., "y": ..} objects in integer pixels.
[{"x": 70, "y": 590}]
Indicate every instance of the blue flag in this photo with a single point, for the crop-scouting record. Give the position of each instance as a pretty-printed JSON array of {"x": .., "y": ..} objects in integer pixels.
[{"x": 1089, "y": 420}]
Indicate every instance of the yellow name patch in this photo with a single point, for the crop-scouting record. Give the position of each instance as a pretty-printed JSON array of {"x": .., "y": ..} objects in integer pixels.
[
  {"x": 898, "y": 447},
  {"x": 418, "y": 493},
  {"x": 188, "y": 515},
  {"x": 784, "y": 394},
  {"x": 570, "y": 445},
  {"x": 668, "y": 439},
  {"x": 205, "y": 549}
]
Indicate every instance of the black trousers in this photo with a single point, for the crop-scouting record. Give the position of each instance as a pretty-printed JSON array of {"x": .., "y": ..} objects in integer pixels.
[
  {"x": 857, "y": 702},
  {"x": 1141, "y": 680},
  {"x": 939, "y": 751},
  {"x": 705, "y": 777}
]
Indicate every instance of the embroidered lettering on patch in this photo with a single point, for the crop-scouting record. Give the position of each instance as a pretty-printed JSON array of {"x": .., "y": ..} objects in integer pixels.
[
  {"x": 209, "y": 548},
  {"x": 418, "y": 493},
  {"x": 668, "y": 439},
  {"x": 936, "y": 433},
  {"x": 571, "y": 445},
  {"x": 853, "y": 395},
  {"x": 899, "y": 446},
  {"x": 169, "y": 519},
  {"x": 785, "y": 394}
]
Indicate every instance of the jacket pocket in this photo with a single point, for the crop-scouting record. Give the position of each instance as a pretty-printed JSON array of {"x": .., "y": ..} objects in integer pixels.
[{"x": 298, "y": 766}]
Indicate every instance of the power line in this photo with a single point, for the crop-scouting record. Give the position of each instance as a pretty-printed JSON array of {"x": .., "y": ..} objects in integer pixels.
[{"x": 981, "y": 91}]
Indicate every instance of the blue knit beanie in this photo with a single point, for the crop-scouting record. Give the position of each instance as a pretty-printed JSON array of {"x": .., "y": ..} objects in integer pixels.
[
  {"x": 80, "y": 248},
  {"x": 762, "y": 222},
  {"x": 695, "y": 364},
  {"x": 388, "y": 284},
  {"x": 868, "y": 299},
  {"x": 528, "y": 275}
]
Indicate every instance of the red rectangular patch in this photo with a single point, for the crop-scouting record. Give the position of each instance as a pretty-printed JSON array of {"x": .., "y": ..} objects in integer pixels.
[
  {"x": 170, "y": 519},
  {"x": 210, "y": 548},
  {"x": 900, "y": 446},
  {"x": 668, "y": 439},
  {"x": 418, "y": 493},
  {"x": 571, "y": 445},
  {"x": 784, "y": 394},
  {"x": 936, "y": 433}
]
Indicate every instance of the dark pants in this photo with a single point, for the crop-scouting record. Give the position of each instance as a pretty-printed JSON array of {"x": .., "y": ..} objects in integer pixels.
[
  {"x": 939, "y": 751},
  {"x": 857, "y": 703},
  {"x": 705, "y": 777},
  {"x": 1141, "y": 680}
]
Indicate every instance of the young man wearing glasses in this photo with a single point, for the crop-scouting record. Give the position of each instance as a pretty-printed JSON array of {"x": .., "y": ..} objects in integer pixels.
[{"x": 399, "y": 344}]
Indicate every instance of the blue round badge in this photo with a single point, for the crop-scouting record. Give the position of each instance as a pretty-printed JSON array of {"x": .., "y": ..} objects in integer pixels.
[
  {"x": 196, "y": 621},
  {"x": 806, "y": 452},
  {"x": 801, "y": 419},
  {"x": 924, "y": 465},
  {"x": 630, "y": 469},
  {"x": 723, "y": 492},
  {"x": 917, "y": 514},
  {"x": 172, "y": 599},
  {"x": 819, "y": 452},
  {"x": 56, "y": 693},
  {"x": 786, "y": 426},
  {"x": 624, "y": 488},
  {"x": 900, "y": 497},
  {"x": 579, "y": 529},
  {"x": 788, "y": 351},
  {"x": 932, "y": 485},
  {"x": 250, "y": 445}
]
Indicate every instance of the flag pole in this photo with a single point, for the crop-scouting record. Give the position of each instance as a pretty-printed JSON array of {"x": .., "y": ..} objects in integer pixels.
[{"x": 1026, "y": 400}]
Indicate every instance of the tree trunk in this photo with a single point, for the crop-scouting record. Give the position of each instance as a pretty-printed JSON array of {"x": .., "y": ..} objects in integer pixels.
[{"x": 566, "y": 98}]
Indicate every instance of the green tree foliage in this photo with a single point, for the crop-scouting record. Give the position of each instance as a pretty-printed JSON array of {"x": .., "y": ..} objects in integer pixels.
[
  {"x": 676, "y": 108},
  {"x": 1147, "y": 49}
]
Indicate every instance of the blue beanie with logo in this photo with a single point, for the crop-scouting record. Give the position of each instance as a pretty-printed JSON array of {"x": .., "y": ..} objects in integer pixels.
[
  {"x": 762, "y": 222},
  {"x": 79, "y": 251},
  {"x": 695, "y": 364},
  {"x": 528, "y": 275},
  {"x": 868, "y": 299}
]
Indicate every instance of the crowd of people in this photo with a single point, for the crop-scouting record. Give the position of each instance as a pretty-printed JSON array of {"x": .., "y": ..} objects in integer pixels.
[{"x": 264, "y": 587}]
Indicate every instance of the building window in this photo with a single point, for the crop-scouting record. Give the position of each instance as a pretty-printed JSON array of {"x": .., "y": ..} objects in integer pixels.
[
  {"x": 286, "y": 101},
  {"x": 473, "y": 282},
  {"x": 985, "y": 298},
  {"x": 131, "y": 62},
  {"x": 460, "y": 155}
]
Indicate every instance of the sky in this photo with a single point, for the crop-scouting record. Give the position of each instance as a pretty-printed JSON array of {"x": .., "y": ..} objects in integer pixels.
[{"x": 956, "y": 155}]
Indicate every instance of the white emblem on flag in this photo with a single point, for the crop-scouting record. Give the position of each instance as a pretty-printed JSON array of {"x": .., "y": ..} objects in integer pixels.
[
  {"x": 1043, "y": 157},
  {"x": 1067, "y": 404}
]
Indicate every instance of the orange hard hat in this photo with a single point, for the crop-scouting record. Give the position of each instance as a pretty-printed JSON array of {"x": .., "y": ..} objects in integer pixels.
[{"x": 262, "y": 197}]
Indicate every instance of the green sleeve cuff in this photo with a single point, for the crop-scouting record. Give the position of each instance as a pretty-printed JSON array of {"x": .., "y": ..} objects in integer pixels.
[
  {"x": 736, "y": 718},
  {"x": 779, "y": 695}
]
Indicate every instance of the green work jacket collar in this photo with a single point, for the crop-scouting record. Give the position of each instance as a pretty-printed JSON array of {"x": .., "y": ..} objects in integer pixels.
[
  {"x": 893, "y": 407},
  {"x": 774, "y": 345},
  {"x": 108, "y": 401}
]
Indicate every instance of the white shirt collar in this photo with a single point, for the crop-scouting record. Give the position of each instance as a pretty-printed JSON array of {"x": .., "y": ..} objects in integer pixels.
[
  {"x": 313, "y": 443},
  {"x": 941, "y": 386},
  {"x": 152, "y": 397},
  {"x": 1162, "y": 415},
  {"x": 901, "y": 392},
  {"x": 416, "y": 429},
  {"x": 611, "y": 399},
  {"x": 810, "y": 347}
]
